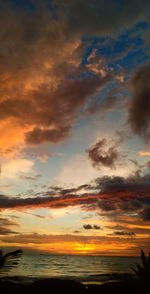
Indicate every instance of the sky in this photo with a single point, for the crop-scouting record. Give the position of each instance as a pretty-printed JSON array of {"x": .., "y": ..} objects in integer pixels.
[{"x": 75, "y": 126}]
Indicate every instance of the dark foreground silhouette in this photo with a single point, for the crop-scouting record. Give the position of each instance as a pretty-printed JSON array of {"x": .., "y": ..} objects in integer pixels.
[
  {"x": 70, "y": 286},
  {"x": 9, "y": 260}
]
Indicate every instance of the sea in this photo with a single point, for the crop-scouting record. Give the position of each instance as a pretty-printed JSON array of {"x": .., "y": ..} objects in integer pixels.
[{"x": 82, "y": 268}]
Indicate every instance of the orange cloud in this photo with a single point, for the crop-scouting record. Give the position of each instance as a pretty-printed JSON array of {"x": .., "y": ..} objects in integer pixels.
[
  {"x": 71, "y": 244},
  {"x": 12, "y": 134},
  {"x": 144, "y": 153},
  {"x": 106, "y": 201},
  {"x": 39, "y": 102}
]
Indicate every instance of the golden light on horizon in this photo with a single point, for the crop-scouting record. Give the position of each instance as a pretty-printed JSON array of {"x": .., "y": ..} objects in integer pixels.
[{"x": 83, "y": 248}]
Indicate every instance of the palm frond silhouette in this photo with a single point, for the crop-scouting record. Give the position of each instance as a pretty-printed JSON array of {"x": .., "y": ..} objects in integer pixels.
[
  {"x": 143, "y": 272},
  {"x": 9, "y": 260}
]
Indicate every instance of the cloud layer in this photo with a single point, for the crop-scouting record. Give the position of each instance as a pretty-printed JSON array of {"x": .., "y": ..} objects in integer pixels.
[{"x": 107, "y": 196}]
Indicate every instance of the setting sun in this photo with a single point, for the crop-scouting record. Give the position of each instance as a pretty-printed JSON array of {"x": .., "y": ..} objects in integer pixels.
[{"x": 80, "y": 248}]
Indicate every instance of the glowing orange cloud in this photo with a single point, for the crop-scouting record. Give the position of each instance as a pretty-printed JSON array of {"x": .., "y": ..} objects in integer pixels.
[
  {"x": 144, "y": 153},
  {"x": 80, "y": 245}
]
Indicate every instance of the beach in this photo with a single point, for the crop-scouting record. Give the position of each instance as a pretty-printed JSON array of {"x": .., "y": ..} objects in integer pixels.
[{"x": 72, "y": 274}]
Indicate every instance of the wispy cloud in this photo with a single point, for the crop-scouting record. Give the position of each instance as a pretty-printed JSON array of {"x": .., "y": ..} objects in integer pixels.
[{"x": 6, "y": 225}]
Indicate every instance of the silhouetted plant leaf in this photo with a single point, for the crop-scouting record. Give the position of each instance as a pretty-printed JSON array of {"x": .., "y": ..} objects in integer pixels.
[
  {"x": 144, "y": 261},
  {"x": 135, "y": 271},
  {"x": 149, "y": 260},
  {"x": 9, "y": 260},
  {"x": 143, "y": 272}
]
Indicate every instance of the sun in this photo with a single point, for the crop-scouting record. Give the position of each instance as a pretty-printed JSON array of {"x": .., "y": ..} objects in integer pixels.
[{"x": 84, "y": 248}]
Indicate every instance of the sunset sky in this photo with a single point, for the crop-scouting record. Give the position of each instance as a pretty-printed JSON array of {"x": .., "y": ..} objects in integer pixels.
[{"x": 75, "y": 126}]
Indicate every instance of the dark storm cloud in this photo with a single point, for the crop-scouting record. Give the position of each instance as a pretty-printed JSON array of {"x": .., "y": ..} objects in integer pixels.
[
  {"x": 133, "y": 183},
  {"x": 101, "y": 155},
  {"x": 127, "y": 195},
  {"x": 91, "y": 227},
  {"x": 123, "y": 196},
  {"x": 139, "y": 110}
]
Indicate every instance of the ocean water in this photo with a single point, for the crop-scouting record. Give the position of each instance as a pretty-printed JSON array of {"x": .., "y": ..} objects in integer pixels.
[{"x": 79, "y": 267}]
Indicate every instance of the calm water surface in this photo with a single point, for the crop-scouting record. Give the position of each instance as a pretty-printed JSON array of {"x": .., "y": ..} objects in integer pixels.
[{"x": 72, "y": 266}]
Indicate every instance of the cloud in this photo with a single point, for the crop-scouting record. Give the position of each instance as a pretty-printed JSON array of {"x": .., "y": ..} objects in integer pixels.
[
  {"x": 45, "y": 201},
  {"x": 124, "y": 233},
  {"x": 57, "y": 109},
  {"x": 5, "y": 225},
  {"x": 5, "y": 231},
  {"x": 76, "y": 243},
  {"x": 145, "y": 214},
  {"x": 102, "y": 155},
  {"x": 7, "y": 222},
  {"x": 96, "y": 17},
  {"x": 79, "y": 170},
  {"x": 68, "y": 191},
  {"x": 144, "y": 153},
  {"x": 31, "y": 178},
  {"x": 132, "y": 183},
  {"x": 39, "y": 99},
  {"x": 106, "y": 105},
  {"x": 42, "y": 87},
  {"x": 36, "y": 238},
  {"x": 139, "y": 109},
  {"x": 37, "y": 135},
  {"x": 91, "y": 227},
  {"x": 108, "y": 196},
  {"x": 130, "y": 196},
  {"x": 87, "y": 227}
]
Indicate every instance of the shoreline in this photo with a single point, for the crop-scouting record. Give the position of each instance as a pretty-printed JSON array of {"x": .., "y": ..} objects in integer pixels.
[{"x": 97, "y": 279}]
